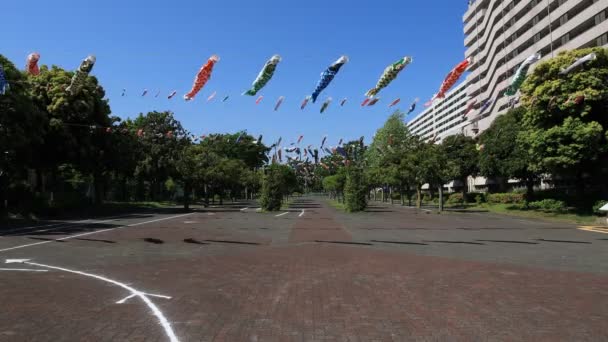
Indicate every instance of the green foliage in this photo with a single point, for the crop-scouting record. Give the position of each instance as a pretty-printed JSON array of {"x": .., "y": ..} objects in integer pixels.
[
  {"x": 462, "y": 156},
  {"x": 597, "y": 206},
  {"x": 170, "y": 185},
  {"x": 278, "y": 182},
  {"x": 548, "y": 205},
  {"x": 565, "y": 122},
  {"x": 506, "y": 198},
  {"x": 455, "y": 198},
  {"x": 335, "y": 183},
  {"x": 503, "y": 155},
  {"x": 355, "y": 190},
  {"x": 478, "y": 198},
  {"x": 565, "y": 147}
]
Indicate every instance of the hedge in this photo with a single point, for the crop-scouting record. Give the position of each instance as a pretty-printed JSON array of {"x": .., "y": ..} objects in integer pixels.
[{"x": 505, "y": 198}]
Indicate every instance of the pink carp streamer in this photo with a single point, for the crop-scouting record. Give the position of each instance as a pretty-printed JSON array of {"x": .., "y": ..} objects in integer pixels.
[
  {"x": 394, "y": 103},
  {"x": 32, "y": 64},
  {"x": 279, "y": 102}
]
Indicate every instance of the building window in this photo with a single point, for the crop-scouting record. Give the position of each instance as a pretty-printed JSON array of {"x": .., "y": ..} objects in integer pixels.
[
  {"x": 602, "y": 40},
  {"x": 600, "y": 17},
  {"x": 535, "y": 20},
  {"x": 563, "y": 19},
  {"x": 536, "y": 37},
  {"x": 565, "y": 38}
]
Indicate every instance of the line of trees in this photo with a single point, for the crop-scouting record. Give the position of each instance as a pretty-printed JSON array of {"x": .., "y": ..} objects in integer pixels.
[
  {"x": 63, "y": 151},
  {"x": 558, "y": 133}
]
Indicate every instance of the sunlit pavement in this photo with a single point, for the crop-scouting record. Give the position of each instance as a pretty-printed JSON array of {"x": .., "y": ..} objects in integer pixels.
[{"x": 308, "y": 273}]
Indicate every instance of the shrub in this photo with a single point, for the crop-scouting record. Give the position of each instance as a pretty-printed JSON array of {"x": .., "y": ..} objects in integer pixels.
[
  {"x": 271, "y": 196},
  {"x": 548, "y": 205},
  {"x": 597, "y": 206},
  {"x": 505, "y": 198},
  {"x": 395, "y": 196},
  {"x": 455, "y": 198},
  {"x": 427, "y": 198},
  {"x": 355, "y": 191},
  {"x": 478, "y": 198}
]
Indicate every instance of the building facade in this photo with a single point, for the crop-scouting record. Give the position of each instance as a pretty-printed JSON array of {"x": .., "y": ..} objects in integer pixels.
[
  {"x": 445, "y": 117},
  {"x": 500, "y": 34}
]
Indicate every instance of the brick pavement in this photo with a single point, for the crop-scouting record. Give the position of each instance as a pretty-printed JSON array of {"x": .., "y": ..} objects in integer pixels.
[{"x": 301, "y": 291}]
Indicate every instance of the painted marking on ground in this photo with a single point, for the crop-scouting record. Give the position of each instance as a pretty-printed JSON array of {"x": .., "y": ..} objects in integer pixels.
[
  {"x": 301, "y": 214},
  {"x": 410, "y": 207},
  {"x": 244, "y": 208},
  {"x": 69, "y": 223},
  {"x": 91, "y": 233},
  {"x": 595, "y": 229},
  {"x": 279, "y": 215},
  {"x": 143, "y": 296},
  {"x": 122, "y": 301},
  {"x": 22, "y": 270}
]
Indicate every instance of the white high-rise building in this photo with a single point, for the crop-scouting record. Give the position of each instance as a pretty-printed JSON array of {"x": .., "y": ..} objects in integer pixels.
[
  {"x": 500, "y": 34},
  {"x": 445, "y": 117}
]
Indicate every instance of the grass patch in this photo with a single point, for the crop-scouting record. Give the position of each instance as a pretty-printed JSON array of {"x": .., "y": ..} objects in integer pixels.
[
  {"x": 513, "y": 210},
  {"x": 337, "y": 205},
  {"x": 142, "y": 204}
]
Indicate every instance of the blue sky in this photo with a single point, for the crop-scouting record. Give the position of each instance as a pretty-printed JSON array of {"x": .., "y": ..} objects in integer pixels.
[{"x": 160, "y": 45}]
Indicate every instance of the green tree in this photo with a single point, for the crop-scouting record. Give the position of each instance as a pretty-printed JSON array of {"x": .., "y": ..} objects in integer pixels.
[
  {"x": 277, "y": 182},
  {"x": 437, "y": 168},
  {"x": 162, "y": 140},
  {"x": 22, "y": 130},
  {"x": 462, "y": 156},
  {"x": 564, "y": 125},
  {"x": 76, "y": 132},
  {"x": 334, "y": 184},
  {"x": 355, "y": 190},
  {"x": 387, "y": 155},
  {"x": 502, "y": 155}
]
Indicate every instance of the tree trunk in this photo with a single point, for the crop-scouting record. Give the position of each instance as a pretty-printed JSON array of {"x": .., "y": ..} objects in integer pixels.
[
  {"x": 97, "y": 188},
  {"x": 529, "y": 190},
  {"x": 418, "y": 196},
  {"x": 464, "y": 190},
  {"x": 187, "y": 191},
  {"x": 401, "y": 194},
  {"x": 440, "y": 190},
  {"x": 409, "y": 196},
  {"x": 206, "y": 196}
]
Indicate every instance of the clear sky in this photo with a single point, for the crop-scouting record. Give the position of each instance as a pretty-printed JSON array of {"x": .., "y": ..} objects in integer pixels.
[{"x": 160, "y": 45}]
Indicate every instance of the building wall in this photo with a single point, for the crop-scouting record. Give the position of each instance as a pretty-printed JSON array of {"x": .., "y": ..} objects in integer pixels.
[
  {"x": 448, "y": 119},
  {"x": 501, "y": 34}
]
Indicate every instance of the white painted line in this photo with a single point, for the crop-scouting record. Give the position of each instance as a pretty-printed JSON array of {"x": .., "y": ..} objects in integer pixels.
[
  {"x": 90, "y": 233},
  {"x": 22, "y": 270},
  {"x": 91, "y": 222},
  {"x": 125, "y": 299},
  {"x": 244, "y": 208},
  {"x": 301, "y": 214},
  {"x": 122, "y": 301},
  {"x": 106, "y": 218},
  {"x": 285, "y": 213},
  {"x": 209, "y": 214},
  {"x": 258, "y": 209},
  {"x": 155, "y": 310}
]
